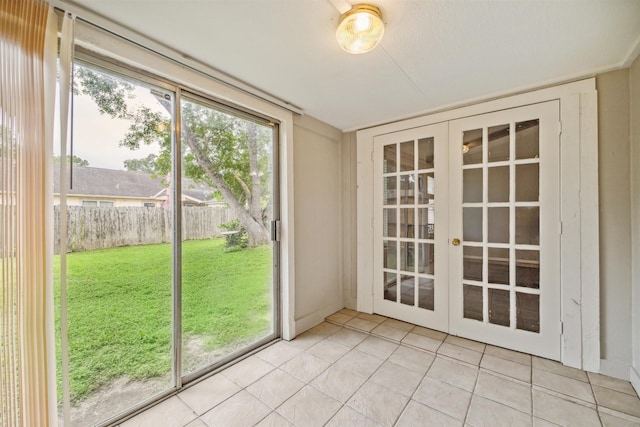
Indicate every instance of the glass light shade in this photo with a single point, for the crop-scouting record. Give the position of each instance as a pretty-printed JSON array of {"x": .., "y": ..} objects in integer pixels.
[{"x": 360, "y": 29}]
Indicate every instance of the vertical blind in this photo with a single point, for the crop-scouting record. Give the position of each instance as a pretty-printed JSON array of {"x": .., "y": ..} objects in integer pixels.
[{"x": 27, "y": 93}]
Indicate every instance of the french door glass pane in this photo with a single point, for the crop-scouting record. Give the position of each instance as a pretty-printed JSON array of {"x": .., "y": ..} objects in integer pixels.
[
  {"x": 528, "y": 312},
  {"x": 472, "y": 302},
  {"x": 406, "y": 156},
  {"x": 472, "y": 147},
  {"x": 472, "y": 185},
  {"x": 528, "y": 225},
  {"x": 426, "y": 153},
  {"x": 527, "y": 182},
  {"x": 408, "y": 290},
  {"x": 227, "y": 256},
  {"x": 528, "y": 269},
  {"x": 119, "y": 282},
  {"x": 527, "y": 139},
  {"x": 498, "y": 184},
  {"x": 425, "y": 293},
  {"x": 499, "y": 143},
  {"x": 499, "y": 307},
  {"x": 389, "y": 159},
  {"x": 498, "y": 266}
]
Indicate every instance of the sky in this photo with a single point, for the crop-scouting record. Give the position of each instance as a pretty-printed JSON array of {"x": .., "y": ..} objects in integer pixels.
[{"x": 97, "y": 136}]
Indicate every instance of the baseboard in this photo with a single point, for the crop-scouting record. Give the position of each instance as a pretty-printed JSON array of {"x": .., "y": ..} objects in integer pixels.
[
  {"x": 614, "y": 369},
  {"x": 635, "y": 379},
  {"x": 309, "y": 321}
]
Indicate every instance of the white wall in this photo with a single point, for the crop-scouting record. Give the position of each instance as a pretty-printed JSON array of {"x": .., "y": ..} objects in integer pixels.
[
  {"x": 615, "y": 222},
  {"x": 318, "y": 221},
  {"x": 634, "y": 91},
  {"x": 349, "y": 201}
]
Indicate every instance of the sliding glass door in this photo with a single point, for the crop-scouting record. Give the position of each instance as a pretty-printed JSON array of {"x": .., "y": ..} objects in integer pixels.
[{"x": 166, "y": 269}]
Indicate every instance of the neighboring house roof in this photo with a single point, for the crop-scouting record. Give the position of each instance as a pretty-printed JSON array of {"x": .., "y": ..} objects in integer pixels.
[{"x": 98, "y": 182}]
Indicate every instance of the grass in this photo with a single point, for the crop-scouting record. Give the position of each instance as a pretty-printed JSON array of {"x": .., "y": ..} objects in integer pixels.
[{"x": 120, "y": 307}]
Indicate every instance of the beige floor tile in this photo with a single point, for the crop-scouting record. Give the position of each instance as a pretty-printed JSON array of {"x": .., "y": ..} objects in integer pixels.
[
  {"x": 278, "y": 353},
  {"x": 340, "y": 318},
  {"x": 361, "y": 324},
  {"x": 360, "y": 363},
  {"x": 196, "y": 423},
  {"x": 275, "y": 387},
  {"x": 454, "y": 373},
  {"x": 349, "y": 312},
  {"x": 460, "y": 353},
  {"x": 372, "y": 317},
  {"x": 416, "y": 360},
  {"x": 417, "y": 414},
  {"x": 378, "y": 403},
  {"x": 389, "y": 332},
  {"x": 612, "y": 383},
  {"x": 506, "y": 367},
  {"x": 173, "y": 412},
  {"x": 563, "y": 412},
  {"x": 559, "y": 369},
  {"x": 248, "y": 371},
  {"x": 274, "y": 420},
  {"x": 618, "y": 401},
  {"x": 404, "y": 326},
  {"x": 377, "y": 347},
  {"x": 209, "y": 393},
  {"x": 328, "y": 350},
  {"x": 421, "y": 342},
  {"x": 503, "y": 353},
  {"x": 539, "y": 422},
  {"x": 305, "y": 367},
  {"x": 338, "y": 383},
  {"x": 309, "y": 407},
  {"x": 347, "y": 417},
  {"x": 468, "y": 344},
  {"x": 397, "y": 378},
  {"x": 609, "y": 420},
  {"x": 348, "y": 337},
  {"x": 443, "y": 397},
  {"x": 426, "y": 332},
  {"x": 562, "y": 384},
  {"x": 305, "y": 340},
  {"x": 324, "y": 329},
  {"x": 487, "y": 413},
  {"x": 510, "y": 393},
  {"x": 240, "y": 410}
]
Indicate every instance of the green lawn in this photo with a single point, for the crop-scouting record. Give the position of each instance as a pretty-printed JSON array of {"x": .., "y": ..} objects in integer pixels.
[{"x": 120, "y": 307}]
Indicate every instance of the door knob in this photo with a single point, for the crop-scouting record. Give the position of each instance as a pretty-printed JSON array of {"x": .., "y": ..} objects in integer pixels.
[{"x": 455, "y": 242}]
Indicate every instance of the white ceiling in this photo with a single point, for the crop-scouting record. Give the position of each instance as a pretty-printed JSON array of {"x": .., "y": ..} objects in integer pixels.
[{"x": 434, "y": 54}]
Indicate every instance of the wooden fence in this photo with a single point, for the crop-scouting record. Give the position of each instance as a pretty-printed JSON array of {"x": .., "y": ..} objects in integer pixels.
[{"x": 92, "y": 228}]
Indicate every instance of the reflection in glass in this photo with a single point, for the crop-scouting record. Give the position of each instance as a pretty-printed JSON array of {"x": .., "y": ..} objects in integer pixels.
[
  {"x": 472, "y": 264},
  {"x": 425, "y": 293},
  {"x": 528, "y": 269},
  {"x": 527, "y": 139},
  {"x": 426, "y": 188},
  {"x": 528, "y": 312},
  {"x": 390, "y": 286},
  {"x": 389, "y": 195},
  {"x": 498, "y": 184},
  {"x": 499, "y": 307},
  {"x": 472, "y": 224},
  {"x": 528, "y": 226},
  {"x": 407, "y": 156},
  {"x": 425, "y": 258},
  {"x": 406, "y": 189},
  {"x": 472, "y": 147},
  {"x": 498, "y": 222},
  {"x": 499, "y": 143},
  {"x": 407, "y": 290},
  {"x": 389, "y": 162},
  {"x": 472, "y": 302},
  {"x": 407, "y": 256},
  {"x": 390, "y": 254},
  {"x": 499, "y": 266},
  {"x": 527, "y": 183},
  {"x": 426, "y": 223},
  {"x": 406, "y": 222},
  {"x": 389, "y": 222},
  {"x": 472, "y": 185},
  {"x": 425, "y": 153}
]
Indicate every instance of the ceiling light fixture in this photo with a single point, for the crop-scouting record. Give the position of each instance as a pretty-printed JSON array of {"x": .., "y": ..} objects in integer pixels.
[{"x": 360, "y": 29}]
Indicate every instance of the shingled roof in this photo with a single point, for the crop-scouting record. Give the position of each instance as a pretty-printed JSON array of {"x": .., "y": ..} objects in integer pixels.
[{"x": 91, "y": 181}]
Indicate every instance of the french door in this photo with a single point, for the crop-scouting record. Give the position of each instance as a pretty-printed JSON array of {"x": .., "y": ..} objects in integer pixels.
[{"x": 468, "y": 228}]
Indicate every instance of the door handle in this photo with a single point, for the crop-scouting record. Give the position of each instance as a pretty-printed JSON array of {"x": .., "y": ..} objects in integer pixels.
[{"x": 455, "y": 242}]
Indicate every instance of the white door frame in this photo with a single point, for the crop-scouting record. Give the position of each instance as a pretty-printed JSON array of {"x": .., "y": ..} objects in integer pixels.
[{"x": 579, "y": 259}]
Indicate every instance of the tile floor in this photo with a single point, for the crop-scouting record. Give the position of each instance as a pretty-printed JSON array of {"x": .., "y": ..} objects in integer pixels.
[{"x": 358, "y": 369}]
